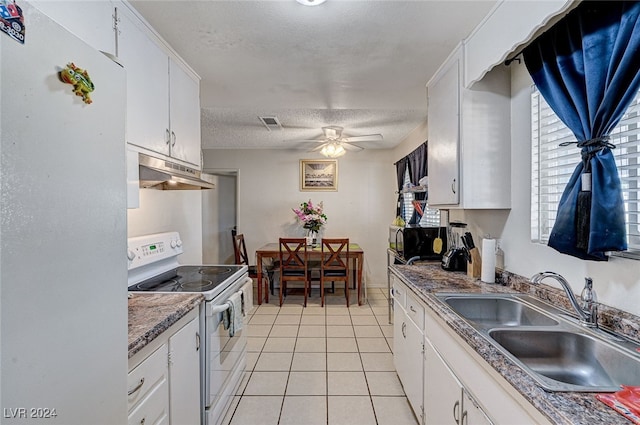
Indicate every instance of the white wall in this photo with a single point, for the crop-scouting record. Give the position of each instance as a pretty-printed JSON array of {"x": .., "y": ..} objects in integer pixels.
[
  {"x": 617, "y": 282},
  {"x": 269, "y": 187},
  {"x": 414, "y": 139},
  {"x": 170, "y": 210}
]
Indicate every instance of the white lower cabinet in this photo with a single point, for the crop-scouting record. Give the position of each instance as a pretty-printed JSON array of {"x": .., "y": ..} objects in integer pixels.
[
  {"x": 184, "y": 374},
  {"x": 148, "y": 390},
  {"x": 446, "y": 401},
  {"x": 408, "y": 344},
  {"x": 445, "y": 380},
  {"x": 164, "y": 377}
]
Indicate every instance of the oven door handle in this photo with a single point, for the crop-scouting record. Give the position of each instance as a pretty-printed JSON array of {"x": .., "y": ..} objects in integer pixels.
[{"x": 215, "y": 309}]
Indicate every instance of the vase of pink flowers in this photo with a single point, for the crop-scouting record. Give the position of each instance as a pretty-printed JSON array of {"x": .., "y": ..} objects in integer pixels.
[{"x": 312, "y": 218}]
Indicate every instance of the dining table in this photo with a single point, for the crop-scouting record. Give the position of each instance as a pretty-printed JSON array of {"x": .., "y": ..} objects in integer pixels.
[{"x": 314, "y": 253}]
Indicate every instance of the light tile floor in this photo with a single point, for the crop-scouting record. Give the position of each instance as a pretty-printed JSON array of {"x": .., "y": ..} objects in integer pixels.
[{"x": 315, "y": 365}]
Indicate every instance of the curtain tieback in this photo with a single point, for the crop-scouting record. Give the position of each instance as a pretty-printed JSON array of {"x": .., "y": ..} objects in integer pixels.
[{"x": 596, "y": 142}]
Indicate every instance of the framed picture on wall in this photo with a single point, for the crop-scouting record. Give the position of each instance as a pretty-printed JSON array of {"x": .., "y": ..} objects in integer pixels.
[{"x": 318, "y": 174}]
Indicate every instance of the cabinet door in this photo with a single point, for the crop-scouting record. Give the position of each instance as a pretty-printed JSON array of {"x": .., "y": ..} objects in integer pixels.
[
  {"x": 412, "y": 380},
  {"x": 472, "y": 414},
  {"x": 442, "y": 391},
  {"x": 184, "y": 375},
  {"x": 147, "y": 68},
  {"x": 184, "y": 92},
  {"x": 91, "y": 21},
  {"x": 399, "y": 346},
  {"x": 444, "y": 132}
]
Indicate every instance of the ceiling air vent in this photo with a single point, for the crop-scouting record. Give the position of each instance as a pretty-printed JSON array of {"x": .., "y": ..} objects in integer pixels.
[{"x": 272, "y": 123}]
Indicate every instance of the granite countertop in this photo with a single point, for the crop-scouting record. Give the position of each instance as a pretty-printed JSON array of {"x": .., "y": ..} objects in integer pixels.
[
  {"x": 558, "y": 407},
  {"x": 151, "y": 314}
]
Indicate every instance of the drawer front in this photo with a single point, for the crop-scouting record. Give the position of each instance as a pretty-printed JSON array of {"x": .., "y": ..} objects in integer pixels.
[
  {"x": 154, "y": 408},
  {"x": 149, "y": 374},
  {"x": 400, "y": 294},
  {"x": 415, "y": 310}
]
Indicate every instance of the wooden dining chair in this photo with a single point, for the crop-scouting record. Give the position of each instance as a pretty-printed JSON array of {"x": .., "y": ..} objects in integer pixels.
[
  {"x": 241, "y": 257},
  {"x": 335, "y": 264},
  {"x": 293, "y": 264}
]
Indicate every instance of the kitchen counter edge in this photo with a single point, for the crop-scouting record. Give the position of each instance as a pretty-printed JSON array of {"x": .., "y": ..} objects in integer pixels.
[
  {"x": 152, "y": 314},
  {"x": 558, "y": 407}
]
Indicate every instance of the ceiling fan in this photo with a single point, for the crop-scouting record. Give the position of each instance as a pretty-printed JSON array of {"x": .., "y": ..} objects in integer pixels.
[{"x": 334, "y": 145}]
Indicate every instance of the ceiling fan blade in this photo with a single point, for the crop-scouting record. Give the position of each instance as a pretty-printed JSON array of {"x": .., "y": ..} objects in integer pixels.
[
  {"x": 352, "y": 147},
  {"x": 367, "y": 138},
  {"x": 317, "y": 148},
  {"x": 305, "y": 141}
]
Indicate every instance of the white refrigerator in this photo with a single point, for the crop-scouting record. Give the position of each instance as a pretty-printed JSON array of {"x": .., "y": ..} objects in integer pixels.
[{"x": 63, "y": 270}]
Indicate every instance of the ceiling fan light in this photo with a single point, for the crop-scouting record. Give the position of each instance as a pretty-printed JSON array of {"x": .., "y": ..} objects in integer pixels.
[{"x": 332, "y": 150}]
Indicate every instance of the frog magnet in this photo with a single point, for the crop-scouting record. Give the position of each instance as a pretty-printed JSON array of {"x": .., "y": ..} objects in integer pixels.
[{"x": 80, "y": 80}]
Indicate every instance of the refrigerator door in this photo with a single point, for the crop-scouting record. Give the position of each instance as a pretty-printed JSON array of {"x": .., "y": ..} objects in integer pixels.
[{"x": 62, "y": 229}]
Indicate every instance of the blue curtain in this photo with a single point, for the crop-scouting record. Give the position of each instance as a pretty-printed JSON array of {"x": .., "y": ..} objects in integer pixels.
[{"x": 587, "y": 69}]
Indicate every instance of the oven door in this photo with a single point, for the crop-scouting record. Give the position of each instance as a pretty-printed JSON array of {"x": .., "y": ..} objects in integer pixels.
[{"x": 224, "y": 357}]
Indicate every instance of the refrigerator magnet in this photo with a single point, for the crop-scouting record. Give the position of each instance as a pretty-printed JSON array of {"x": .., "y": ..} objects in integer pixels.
[
  {"x": 79, "y": 79},
  {"x": 11, "y": 20}
]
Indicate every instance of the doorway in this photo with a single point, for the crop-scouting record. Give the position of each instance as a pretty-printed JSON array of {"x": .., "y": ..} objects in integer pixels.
[{"x": 219, "y": 216}]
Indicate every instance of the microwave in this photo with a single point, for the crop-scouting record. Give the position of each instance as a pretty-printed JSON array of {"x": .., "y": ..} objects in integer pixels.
[{"x": 415, "y": 241}]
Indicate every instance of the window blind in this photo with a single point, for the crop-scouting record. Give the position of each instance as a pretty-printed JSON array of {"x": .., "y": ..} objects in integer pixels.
[
  {"x": 552, "y": 166},
  {"x": 430, "y": 218}
]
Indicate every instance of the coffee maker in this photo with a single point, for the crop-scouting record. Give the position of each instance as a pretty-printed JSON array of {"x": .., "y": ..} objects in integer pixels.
[{"x": 455, "y": 259}]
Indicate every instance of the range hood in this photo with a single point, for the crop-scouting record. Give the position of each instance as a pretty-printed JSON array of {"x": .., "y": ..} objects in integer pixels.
[{"x": 161, "y": 174}]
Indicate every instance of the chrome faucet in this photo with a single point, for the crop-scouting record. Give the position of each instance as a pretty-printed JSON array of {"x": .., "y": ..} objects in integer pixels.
[{"x": 588, "y": 311}]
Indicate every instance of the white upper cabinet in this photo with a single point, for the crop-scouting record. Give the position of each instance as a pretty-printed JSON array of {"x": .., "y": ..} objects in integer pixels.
[
  {"x": 469, "y": 150},
  {"x": 91, "y": 21},
  {"x": 184, "y": 92},
  {"x": 163, "y": 94},
  {"x": 444, "y": 133},
  {"x": 147, "y": 85}
]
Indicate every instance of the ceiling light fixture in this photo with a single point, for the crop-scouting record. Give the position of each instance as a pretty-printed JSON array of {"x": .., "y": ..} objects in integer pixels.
[
  {"x": 332, "y": 150},
  {"x": 311, "y": 2}
]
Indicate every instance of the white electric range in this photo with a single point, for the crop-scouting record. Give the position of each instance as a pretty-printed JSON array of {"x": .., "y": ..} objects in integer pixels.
[{"x": 154, "y": 267}]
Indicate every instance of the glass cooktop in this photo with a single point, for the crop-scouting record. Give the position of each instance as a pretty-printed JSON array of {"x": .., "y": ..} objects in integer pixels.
[{"x": 188, "y": 279}]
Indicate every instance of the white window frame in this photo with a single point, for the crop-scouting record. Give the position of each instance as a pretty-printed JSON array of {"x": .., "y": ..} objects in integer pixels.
[{"x": 552, "y": 166}]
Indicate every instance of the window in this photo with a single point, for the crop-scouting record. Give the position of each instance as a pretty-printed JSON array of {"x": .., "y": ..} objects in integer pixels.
[
  {"x": 430, "y": 218},
  {"x": 552, "y": 166}
]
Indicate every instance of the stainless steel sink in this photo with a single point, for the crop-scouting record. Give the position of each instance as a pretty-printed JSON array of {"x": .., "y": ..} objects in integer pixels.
[
  {"x": 554, "y": 349},
  {"x": 571, "y": 361},
  {"x": 495, "y": 311}
]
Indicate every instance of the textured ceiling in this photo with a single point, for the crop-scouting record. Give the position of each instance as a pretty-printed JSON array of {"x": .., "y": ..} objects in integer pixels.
[{"x": 359, "y": 64}]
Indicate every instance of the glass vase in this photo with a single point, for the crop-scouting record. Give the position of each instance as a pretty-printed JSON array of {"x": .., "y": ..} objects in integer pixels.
[{"x": 312, "y": 237}]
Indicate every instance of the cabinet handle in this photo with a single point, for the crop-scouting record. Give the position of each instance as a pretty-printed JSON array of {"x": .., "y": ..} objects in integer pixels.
[
  {"x": 412, "y": 309},
  {"x": 453, "y": 186},
  {"x": 456, "y": 405},
  {"x": 140, "y": 384},
  {"x": 463, "y": 419},
  {"x": 167, "y": 138},
  {"x": 173, "y": 139},
  {"x": 197, "y": 341},
  {"x": 404, "y": 329},
  {"x": 142, "y": 421}
]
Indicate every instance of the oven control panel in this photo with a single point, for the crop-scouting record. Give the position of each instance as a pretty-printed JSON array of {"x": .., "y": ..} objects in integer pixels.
[{"x": 149, "y": 249}]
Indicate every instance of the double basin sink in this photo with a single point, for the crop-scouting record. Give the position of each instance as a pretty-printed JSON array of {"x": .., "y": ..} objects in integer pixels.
[{"x": 555, "y": 350}]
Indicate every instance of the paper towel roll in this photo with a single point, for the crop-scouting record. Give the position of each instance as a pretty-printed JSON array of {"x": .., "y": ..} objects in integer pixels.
[{"x": 488, "y": 273}]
